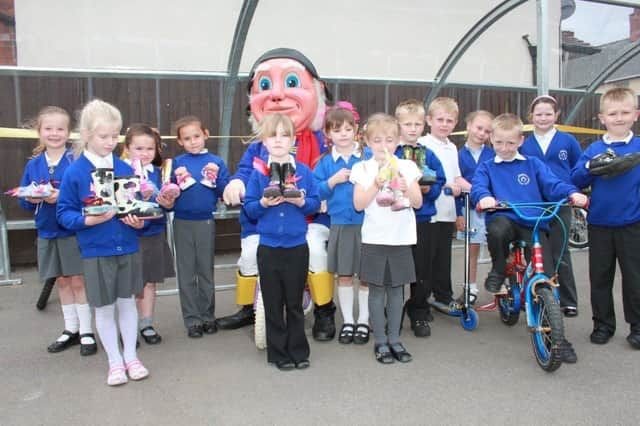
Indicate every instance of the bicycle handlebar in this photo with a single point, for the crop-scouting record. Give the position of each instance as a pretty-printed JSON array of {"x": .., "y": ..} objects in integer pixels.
[{"x": 549, "y": 209}]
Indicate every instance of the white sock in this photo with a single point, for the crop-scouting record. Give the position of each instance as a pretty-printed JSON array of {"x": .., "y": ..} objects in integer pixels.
[
  {"x": 84, "y": 314},
  {"x": 128, "y": 320},
  {"x": 363, "y": 305},
  {"x": 108, "y": 332},
  {"x": 70, "y": 320},
  {"x": 345, "y": 296}
]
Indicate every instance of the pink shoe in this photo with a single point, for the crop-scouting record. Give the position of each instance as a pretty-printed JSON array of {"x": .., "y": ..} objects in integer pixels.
[
  {"x": 116, "y": 375},
  {"x": 136, "y": 370}
]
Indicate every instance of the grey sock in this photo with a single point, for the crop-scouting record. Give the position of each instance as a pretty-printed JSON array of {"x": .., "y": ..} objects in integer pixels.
[
  {"x": 376, "y": 313},
  {"x": 394, "y": 313},
  {"x": 145, "y": 322}
]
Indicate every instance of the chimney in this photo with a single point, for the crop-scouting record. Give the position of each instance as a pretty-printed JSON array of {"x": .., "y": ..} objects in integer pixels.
[{"x": 634, "y": 25}]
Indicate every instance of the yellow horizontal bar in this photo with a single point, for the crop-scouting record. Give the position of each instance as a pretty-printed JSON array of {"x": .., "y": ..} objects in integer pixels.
[
  {"x": 561, "y": 127},
  {"x": 14, "y": 133}
]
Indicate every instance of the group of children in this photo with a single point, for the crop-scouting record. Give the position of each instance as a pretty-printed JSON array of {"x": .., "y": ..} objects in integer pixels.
[{"x": 393, "y": 206}]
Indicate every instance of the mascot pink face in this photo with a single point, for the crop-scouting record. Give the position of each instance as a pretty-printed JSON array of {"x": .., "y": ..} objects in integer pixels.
[{"x": 284, "y": 85}]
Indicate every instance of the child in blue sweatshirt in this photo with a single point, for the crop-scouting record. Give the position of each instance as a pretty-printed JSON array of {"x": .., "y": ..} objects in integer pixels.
[
  {"x": 58, "y": 253},
  {"x": 202, "y": 177},
  {"x": 560, "y": 151},
  {"x": 510, "y": 176},
  {"x": 108, "y": 245},
  {"x": 280, "y": 194},
  {"x": 142, "y": 148},
  {"x": 614, "y": 219},
  {"x": 332, "y": 177},
  {"x": 411, "y": 117}
]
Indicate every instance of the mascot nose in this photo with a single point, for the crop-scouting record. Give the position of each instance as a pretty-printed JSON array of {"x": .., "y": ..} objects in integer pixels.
[{"x": 277, "y": 93}]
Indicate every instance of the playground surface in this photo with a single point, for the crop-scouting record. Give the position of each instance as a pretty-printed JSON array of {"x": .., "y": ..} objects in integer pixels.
[{"x": 486, "y": 376}]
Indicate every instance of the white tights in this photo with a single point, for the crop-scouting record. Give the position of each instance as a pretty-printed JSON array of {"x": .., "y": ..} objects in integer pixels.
[{"x": 108, "y": 330}]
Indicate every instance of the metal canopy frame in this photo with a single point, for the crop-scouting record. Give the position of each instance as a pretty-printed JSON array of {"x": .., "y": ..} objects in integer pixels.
[
  {"x": 622, "y": 59},
  {"x": 231, "y": 81},
  {"x": 466, "y": 41}
]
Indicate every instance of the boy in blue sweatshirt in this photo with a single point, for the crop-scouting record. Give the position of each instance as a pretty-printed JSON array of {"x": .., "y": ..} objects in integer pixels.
[
  {"x": 510, "y": 176},
  {"x": 280, "y": 205},
  {"x": 411, "y": 117},
  {"x": 202, "y": 177},
  {"x": 614, "y": 219}
]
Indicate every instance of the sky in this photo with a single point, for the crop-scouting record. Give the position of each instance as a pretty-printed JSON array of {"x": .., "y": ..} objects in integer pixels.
[{"x": 598, "y": 23}]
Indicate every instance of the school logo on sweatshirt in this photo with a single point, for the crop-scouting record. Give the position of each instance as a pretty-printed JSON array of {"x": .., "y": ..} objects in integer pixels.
[
  {"x": 523, "y": 179},
  {"x": 563, "y": 155}
]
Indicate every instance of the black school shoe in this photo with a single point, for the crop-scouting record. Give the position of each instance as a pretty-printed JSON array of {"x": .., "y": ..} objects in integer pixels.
[
  {"x": 150, "y": 338},
  {"x": 57, "y": 346},
  {"x": 634, "y": 339},
  {"x": 209, "y": 327},
  {"x": 383, "y": 353},
  {"x": 570, "y": 311},
  {"x": 600, "y": 335},
  {"x": 89, "y": 348},
  {"x": 567, "y": 353},
  {"x": 400, "y": 353},
  {"x": 195, "y": 331}
]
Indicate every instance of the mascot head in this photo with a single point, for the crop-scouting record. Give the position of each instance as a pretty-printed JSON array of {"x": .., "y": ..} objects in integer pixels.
[{"x": 284, "y": 80}]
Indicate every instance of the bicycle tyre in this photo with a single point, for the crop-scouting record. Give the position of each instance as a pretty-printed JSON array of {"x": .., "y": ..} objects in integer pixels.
[
  {"x": 547, "y": 315},
  {"x": 259, "y": 327},
  {"x": 506, "y": 306},
  {"x": 45, "y": 293},
  {"x": 578, "y": 231}
]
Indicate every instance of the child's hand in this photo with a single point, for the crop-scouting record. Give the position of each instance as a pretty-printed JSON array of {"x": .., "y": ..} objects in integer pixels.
[
  {"x": 425, "y": 189},
  {"x": 341, "y": 176},
  {"x": 455, "y": 189},
  {"x": 463, "y": 183},
  {"x": 147, "y": 193},
  {"x": 54, "y": 196},
  {"x": 271, "y": 201},
  {"x": 487, "y": 203},
  {"x": 380, "y": 181},
  {"x": 98, "y": 219},
  {"x": 299, "y": 201},
  {"x": 133, "y": 221},
  {"x": 33, "y": 200},
  {"x": 578, "y": 199},
  {"x": 401, "y": 183},
  {"x": 165, "y": 201},
  {"x": 460, "y": 224}
]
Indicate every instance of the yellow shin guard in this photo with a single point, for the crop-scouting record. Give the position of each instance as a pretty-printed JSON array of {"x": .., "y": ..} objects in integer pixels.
[
  {"x": 321, "y": 287},
  {"x": 246, "y": 288}
]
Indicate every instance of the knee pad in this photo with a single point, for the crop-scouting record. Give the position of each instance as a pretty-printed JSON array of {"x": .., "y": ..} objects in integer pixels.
[
  {"x": 245, "y": 289},
  {"x": 321, "y": 287}
]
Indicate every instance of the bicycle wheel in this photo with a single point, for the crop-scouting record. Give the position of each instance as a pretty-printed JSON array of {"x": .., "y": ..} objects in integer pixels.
[
  {"x": 548, "y": 330},
  {"x": 508, "y": 306},
  {"x": 259, "y": 328},
  {"x": 578, "y": 233}
]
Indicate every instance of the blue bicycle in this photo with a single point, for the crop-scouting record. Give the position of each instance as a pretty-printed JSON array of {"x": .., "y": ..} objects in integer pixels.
[{"x": 528, "y": 284}]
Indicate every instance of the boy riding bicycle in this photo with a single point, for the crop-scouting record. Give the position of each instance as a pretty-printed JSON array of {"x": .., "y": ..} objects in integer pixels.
[{"x": 514, "y": 177}]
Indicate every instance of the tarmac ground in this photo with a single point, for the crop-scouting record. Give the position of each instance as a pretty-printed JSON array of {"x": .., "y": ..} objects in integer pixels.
[{"x": 485, "y": 376}]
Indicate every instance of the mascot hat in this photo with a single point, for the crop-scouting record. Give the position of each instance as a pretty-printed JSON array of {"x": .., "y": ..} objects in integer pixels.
[{"x": 285, "y": 52}]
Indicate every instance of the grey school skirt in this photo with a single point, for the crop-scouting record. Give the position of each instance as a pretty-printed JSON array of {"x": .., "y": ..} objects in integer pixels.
[
  {"x": 157, "y": 262},
  {"x": 111, "y": 277},
  {"x": 383, "y": 265},
  {"x": 343, "y": 250},
  {"x": 59, "y": 257}
]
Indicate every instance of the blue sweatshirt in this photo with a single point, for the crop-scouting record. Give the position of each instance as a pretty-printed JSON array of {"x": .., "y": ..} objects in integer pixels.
[
  {"x": 284, "y": 225},
  {"x": 340, "y": 198},
  {"x": 154, "y": 226},
  {"x": 37, "y": 171},
  {"x": 245, "y": 169},
  {"x": 518, "y": 181},
  {"x": 199, "y": 202},
  {"x": 111, "y": 238},
  {"x": 428, "y": 209},
  {"x": 614, "y": 201},
  {"x": 562, "y": 154},
  {"x": 468, "y": 167}
]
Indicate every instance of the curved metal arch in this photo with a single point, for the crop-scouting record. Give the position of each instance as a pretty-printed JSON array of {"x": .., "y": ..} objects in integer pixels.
[
  {"x": 466, "y": 41},
  {"x": 622, "y": 59},
  {"x": 230, "y": 83}
]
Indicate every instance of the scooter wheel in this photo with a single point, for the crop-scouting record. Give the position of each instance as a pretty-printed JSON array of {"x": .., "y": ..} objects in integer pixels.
[{"x": 471, "y": 321}]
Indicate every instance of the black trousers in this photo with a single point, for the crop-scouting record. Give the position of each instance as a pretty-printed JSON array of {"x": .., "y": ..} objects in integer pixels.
[
  {"x": 283, "y": 274},
  {"x": 567, "y": 289},
  {"x": 606, "y": 245},
  {"x": 501, "y": 231},
  {"x": 432, "y": 259}
]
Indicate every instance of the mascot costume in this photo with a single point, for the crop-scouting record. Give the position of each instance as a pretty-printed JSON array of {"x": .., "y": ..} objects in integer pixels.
[{"x": 285, "y": 81}]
